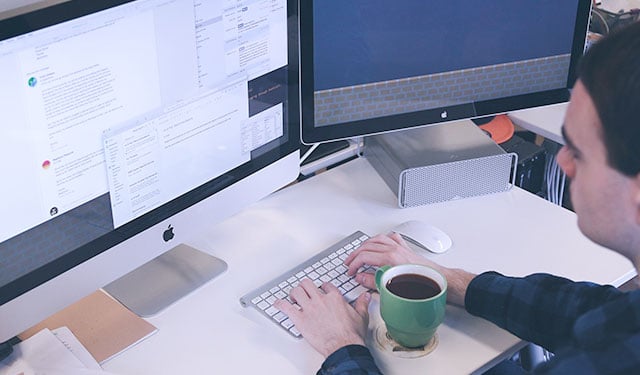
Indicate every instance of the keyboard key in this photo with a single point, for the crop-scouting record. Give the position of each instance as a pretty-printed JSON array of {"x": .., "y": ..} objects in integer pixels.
[
  {"x": 325, "y": 278},
  {"x": 354, "y": 293},
  {"x": 271, "y": 311},
  {"x": 280, "y": 295},
  {"x": 279, "y": 316},
  {"x": 295, "y": 332}
]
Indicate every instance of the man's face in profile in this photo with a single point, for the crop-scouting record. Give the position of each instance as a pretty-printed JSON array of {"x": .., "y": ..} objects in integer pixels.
[{"x": 601, "y": 196}]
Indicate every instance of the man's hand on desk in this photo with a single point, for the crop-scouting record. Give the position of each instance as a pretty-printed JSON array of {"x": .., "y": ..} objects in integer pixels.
[{"x": 328, "y": 322}]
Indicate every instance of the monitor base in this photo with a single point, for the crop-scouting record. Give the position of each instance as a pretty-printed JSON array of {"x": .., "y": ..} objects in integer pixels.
[{"x": 165, "y": 279}]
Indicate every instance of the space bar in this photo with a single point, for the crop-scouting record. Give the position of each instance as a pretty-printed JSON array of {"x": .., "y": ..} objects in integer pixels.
[{"x": 351, "y": 295}]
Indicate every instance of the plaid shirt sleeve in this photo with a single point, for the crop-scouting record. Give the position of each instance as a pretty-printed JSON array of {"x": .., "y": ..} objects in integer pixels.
[
  {"x": 539, "y": 308},
  {"x": 350, "y": 360}
]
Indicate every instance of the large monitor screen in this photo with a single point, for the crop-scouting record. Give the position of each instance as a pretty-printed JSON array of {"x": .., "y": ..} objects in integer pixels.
[
  {"x": 370, "y": 66},
  {"x": 118, "y": 115}
]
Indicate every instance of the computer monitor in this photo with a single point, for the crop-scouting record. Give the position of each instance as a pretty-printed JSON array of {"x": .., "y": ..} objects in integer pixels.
[
  {"x": 127, "y": 128},
  {"x": 372, "y": 66}
]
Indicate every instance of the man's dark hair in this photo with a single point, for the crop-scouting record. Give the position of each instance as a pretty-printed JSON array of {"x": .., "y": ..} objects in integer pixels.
[{"x": 610, "y": 71}]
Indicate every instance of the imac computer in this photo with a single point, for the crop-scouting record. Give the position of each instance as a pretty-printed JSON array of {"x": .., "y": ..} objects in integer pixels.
[
  {"x": 128, "y": 127},
  {"x": 371, "y": 66}
]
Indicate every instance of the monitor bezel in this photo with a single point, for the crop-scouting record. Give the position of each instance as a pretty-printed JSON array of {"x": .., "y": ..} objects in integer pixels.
[{"x": 310, "y": 134}]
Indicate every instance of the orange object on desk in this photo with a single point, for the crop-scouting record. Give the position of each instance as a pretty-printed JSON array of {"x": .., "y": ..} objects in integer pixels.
[{"x": 500, "y": 129}]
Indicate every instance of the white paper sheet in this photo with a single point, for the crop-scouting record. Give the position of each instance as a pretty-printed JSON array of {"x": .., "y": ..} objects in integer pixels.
[{"x": 46, "y": 353}]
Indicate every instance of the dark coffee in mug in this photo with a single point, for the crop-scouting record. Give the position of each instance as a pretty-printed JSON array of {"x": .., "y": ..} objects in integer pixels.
[{"x": 413, "y": 286}]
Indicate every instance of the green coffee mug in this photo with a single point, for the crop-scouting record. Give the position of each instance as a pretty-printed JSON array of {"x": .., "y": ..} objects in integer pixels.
[{"x": 412, "y": 302}]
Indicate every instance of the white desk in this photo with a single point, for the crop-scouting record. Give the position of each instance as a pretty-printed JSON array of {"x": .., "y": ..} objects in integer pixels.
[
  {"x": 618, "y": 5},
  {"x": 545, "y": 121},
  {"x": 209, "y": 332}
]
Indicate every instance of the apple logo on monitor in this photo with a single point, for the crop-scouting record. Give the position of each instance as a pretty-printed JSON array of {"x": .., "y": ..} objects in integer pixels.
[
  {"x": 444, "y": 115},
  {"x": 168, "y": 234}
]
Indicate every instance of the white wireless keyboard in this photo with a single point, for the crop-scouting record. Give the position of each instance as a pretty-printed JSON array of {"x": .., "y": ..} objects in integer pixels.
[{"x": 326, "y": 266}]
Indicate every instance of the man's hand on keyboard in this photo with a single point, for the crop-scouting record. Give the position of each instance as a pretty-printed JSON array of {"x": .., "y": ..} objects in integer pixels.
[
  {"x": 379, "y": 251},
  {"x": 393, "y": 250},
  {"x": 325, "y": 319}
]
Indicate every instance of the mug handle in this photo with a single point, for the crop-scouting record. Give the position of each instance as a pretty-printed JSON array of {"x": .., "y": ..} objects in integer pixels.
[{"x": 379, "y": 273}]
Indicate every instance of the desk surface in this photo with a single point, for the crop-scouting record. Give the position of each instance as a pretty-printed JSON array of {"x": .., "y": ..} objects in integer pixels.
[
  {"x": 546, "y": 121},
  {"x": 208, "y": 331},
  {"x": 619, "y": 5}
]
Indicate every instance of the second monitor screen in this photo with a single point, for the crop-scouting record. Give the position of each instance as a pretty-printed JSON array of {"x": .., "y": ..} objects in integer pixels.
[{"x": 378, "y": 59}]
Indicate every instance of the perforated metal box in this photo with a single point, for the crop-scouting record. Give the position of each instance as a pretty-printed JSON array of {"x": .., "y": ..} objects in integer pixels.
[{"x": 440, "y": 163}]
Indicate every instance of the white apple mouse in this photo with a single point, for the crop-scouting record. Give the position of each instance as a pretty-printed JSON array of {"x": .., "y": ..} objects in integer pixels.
[{"x": 423, "y": 235}]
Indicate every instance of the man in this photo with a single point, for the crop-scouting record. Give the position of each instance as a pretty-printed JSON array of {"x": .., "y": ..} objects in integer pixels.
[{"x": 589, "y": 328}]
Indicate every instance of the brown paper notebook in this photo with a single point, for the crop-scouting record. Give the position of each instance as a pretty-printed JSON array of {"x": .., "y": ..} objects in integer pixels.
[{"x": 103, "y": 325}]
